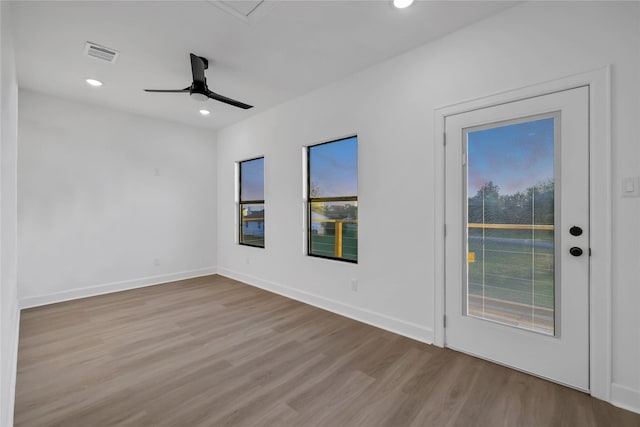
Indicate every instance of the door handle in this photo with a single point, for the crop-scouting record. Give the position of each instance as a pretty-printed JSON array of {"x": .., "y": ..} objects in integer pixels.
[
  {"x": 575, "y": 251},
  {"x": 575, "y": 231}
]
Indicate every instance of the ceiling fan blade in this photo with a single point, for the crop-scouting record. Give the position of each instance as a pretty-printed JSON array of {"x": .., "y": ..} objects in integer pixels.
[
  {"x": 168, "y": 90},
  {"x": 229, "y": 101},
  {"x": 197, "y": 69}
]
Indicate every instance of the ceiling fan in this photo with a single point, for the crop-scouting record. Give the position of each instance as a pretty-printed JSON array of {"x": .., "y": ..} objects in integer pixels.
[{"x": 198, "y": 89}]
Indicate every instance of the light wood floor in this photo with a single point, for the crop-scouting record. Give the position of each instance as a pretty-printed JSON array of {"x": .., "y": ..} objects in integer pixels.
[{"x": 215, "y": 352}]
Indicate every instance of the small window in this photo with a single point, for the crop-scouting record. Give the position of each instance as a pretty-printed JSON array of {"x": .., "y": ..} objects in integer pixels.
[
  {"x": 332, "y": 197},
  {"x": 252, "y": 202}
]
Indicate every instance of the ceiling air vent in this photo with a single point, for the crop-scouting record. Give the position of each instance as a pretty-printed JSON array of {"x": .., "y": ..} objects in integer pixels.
[{"x": 101, "y": 52}]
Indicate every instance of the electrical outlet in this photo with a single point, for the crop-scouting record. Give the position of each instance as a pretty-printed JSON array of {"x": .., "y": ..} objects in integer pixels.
[
  {"x": 156, "y": 261},
  {"x": 354, "y": 285},
  {"x": 248, "y": 260}
]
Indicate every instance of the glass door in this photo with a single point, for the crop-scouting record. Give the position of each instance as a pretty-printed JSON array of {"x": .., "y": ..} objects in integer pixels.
[{"x": 516, "y": 252}]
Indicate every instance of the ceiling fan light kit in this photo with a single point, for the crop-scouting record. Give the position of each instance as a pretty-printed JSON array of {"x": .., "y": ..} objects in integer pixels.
[
  {"x": 199, "y": 89},
  {"x": 201, "y": 97}
]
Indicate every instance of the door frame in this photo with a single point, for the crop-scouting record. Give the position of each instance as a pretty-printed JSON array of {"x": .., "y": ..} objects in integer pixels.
[{"x": 600, "y": 211}]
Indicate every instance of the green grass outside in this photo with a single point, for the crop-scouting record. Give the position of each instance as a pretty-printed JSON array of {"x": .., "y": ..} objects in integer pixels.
[
  {"x": 511, "y": 262},
  {"x": 324, "y": 245}
]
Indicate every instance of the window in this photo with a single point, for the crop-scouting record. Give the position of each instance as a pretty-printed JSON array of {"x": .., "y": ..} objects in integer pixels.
[
  {"x": 510, "y": 218},
  {"x": 332, "y": 197},
  {"x": 251, "y": 204}
]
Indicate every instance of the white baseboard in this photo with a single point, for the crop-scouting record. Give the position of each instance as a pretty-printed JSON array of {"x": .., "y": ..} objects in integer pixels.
[
  {"x": 107, "y": 288},
  {"x": 398, "y": 326},
  {"x": 625, "y": 397},
  {"x": 9, "y": 393}
]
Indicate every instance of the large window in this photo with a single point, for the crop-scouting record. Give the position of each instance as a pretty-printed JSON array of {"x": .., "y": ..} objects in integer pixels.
[
  {"x": 252, "y": 202},
  {"x": 332, "y": 193}
]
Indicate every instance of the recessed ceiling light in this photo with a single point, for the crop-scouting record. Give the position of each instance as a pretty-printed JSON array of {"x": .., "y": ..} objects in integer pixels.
[
  {"x": 205, "y": 112},
  {"x": 94, "y": 82},
  {"x": 401, "y": 4}
]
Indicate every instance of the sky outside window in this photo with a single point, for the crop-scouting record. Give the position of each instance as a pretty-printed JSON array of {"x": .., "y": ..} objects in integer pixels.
[
  {"x": 334, "y": 168},
  {"x": 252, "y": 179},
  {"x": 513, "y": 157}
]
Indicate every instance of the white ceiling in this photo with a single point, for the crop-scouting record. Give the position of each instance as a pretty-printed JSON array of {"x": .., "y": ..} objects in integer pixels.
[{"x": 282, "y": 50}]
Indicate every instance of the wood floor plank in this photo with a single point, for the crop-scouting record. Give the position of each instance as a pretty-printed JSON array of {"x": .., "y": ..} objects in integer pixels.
[{"x": 212, "y": 351}]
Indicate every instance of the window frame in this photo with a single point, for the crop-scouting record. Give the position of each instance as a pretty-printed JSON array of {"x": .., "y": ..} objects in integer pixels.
[
  {"x": 311, "y": 200},
  {"x": 242, "y": 202}
]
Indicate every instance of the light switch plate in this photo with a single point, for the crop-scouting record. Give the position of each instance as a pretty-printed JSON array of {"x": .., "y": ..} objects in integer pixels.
[{"x": 630, "y": 186}]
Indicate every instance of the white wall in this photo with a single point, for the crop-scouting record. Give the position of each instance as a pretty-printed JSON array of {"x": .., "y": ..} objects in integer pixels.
[
  {"x": 391, "y": 108},
  {"x": 9, "y": 313},
  {"x": 102, "y": 194}
]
